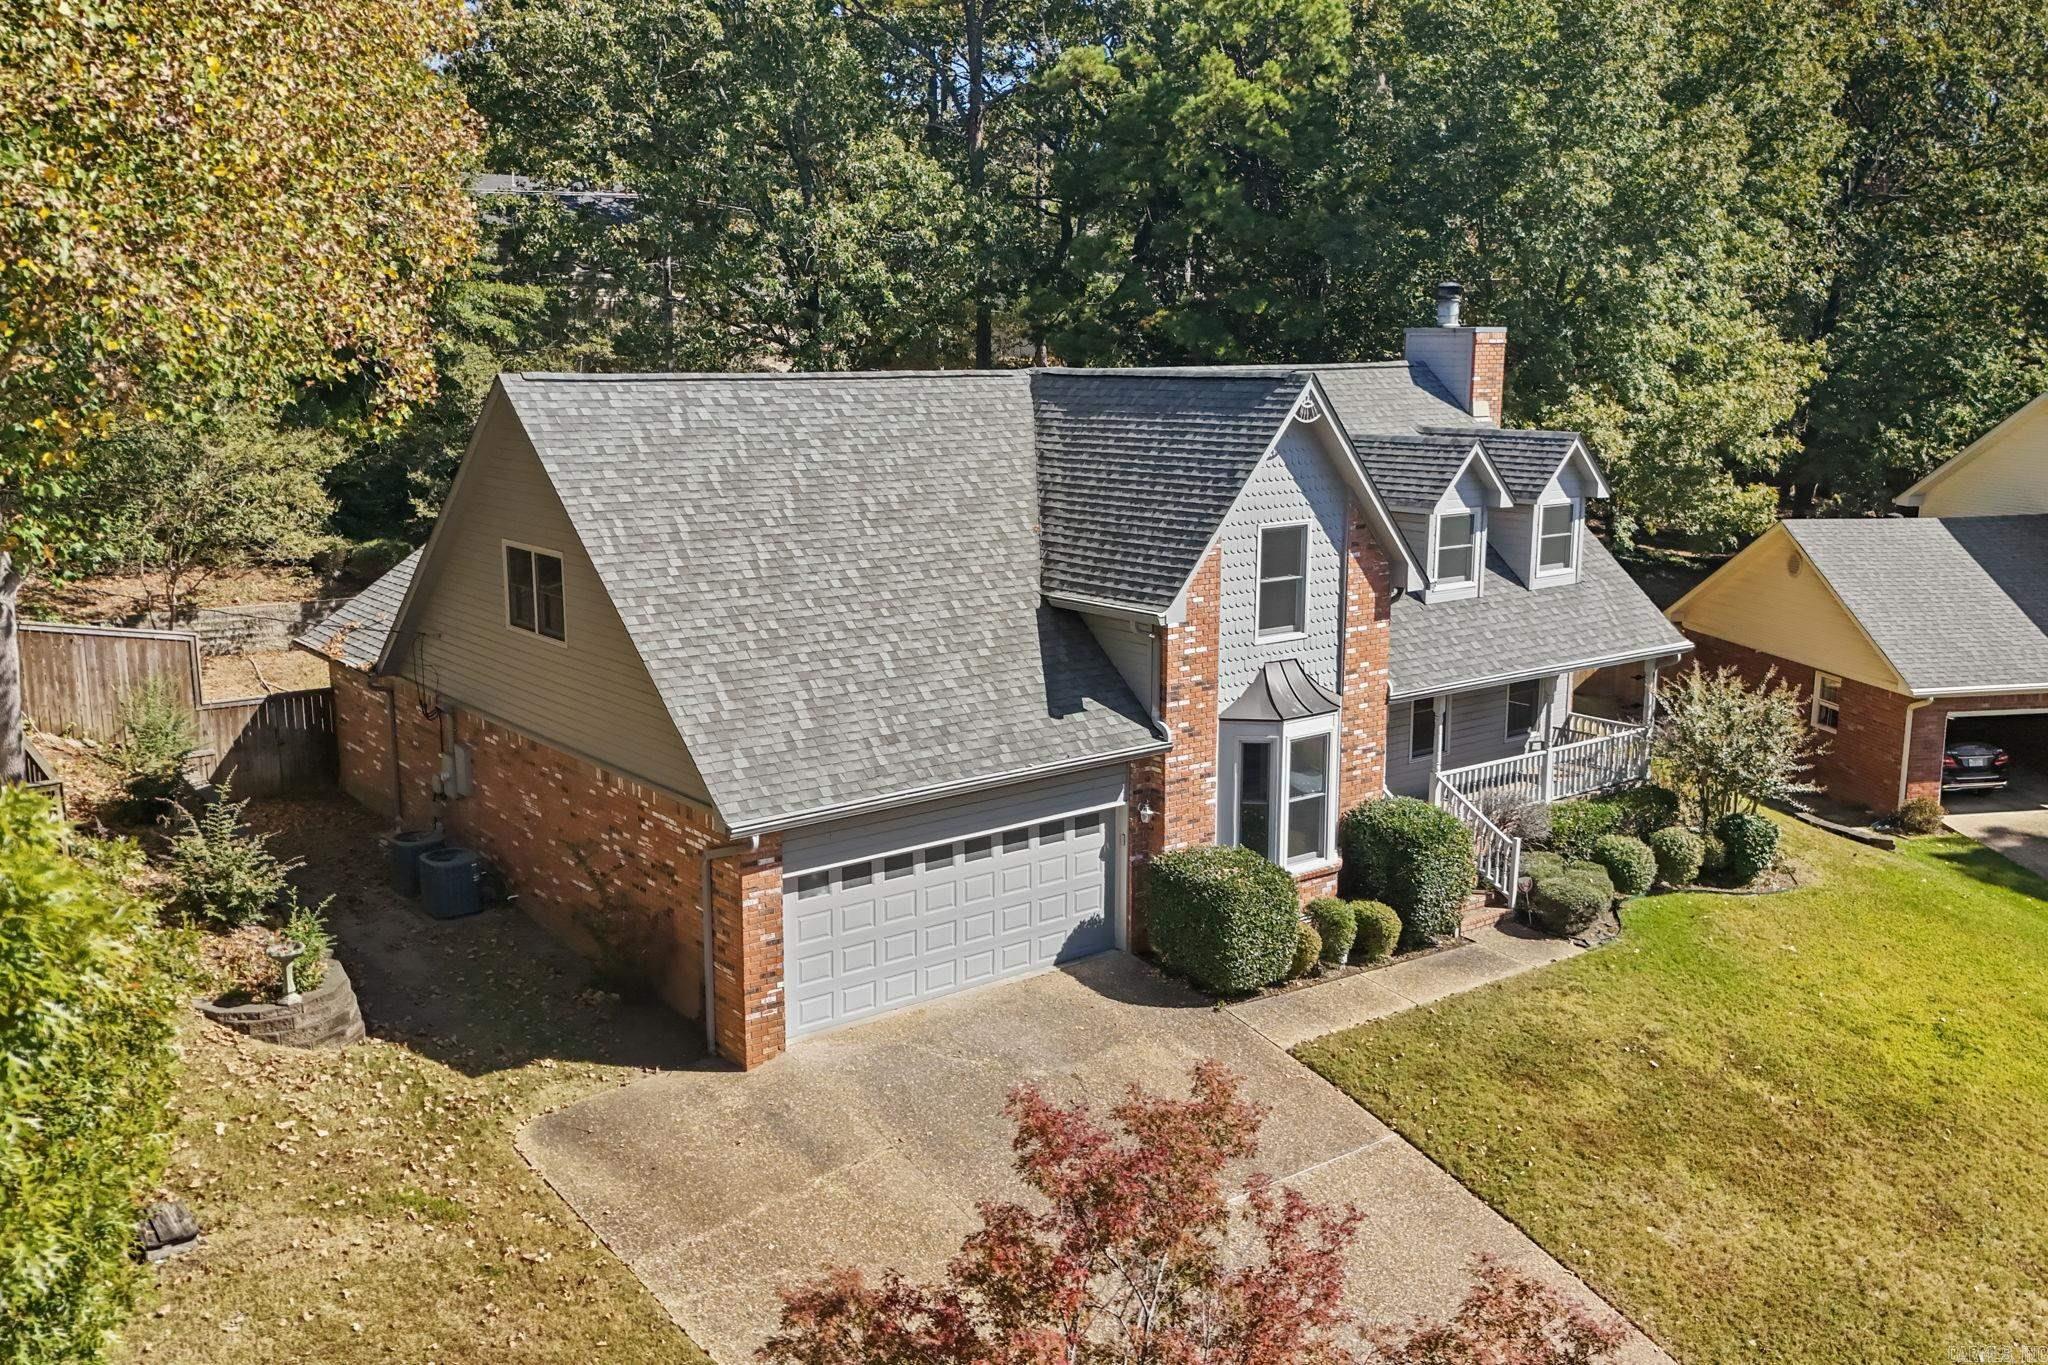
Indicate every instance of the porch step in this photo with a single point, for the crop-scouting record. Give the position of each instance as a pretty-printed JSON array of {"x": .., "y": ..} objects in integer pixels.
[{"x": 1483, "y": 910}]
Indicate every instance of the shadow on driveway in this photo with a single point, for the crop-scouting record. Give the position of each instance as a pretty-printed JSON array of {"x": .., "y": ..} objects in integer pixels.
[{"x": 481, "y": 994}]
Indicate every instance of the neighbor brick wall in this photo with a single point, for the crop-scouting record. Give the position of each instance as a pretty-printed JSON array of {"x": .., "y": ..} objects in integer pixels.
[
  {"x": 1146, "y": 838},
  {"x": 1489, "y": 370},
  {"x": 1860, "y": 763},
  {"x": 586, "y": 849}
]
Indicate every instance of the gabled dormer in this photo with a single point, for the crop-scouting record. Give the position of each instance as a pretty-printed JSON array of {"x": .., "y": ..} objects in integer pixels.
[
  {"x": 1445, "y": 493},
  {"x": 1551, "y": 478}
]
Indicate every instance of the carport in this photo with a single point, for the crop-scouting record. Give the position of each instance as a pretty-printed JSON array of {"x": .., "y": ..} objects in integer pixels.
[{"x": 2012, "y": 819}]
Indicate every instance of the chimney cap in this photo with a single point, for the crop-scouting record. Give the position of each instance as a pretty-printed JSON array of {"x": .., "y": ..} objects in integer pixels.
[{"x": 1448, "y": 295}]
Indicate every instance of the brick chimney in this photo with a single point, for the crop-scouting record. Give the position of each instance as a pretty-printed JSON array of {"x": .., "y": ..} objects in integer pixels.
[{"x": 1469, "y": 361}]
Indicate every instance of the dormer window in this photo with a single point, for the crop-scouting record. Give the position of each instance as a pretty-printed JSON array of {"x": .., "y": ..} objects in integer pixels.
[
  {"x": 1457, "y": 547},
  {"x": 1283, "y": 580},
  {"x": 1557, "y": 537}
]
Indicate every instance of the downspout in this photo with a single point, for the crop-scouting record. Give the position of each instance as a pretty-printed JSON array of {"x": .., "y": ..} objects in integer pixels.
[
  {"x": 1906, "y": 746},
  {"x": 708, "y": 857}
]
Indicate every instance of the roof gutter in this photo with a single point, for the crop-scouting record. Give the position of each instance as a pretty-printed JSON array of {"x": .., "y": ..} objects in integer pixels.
[
  {"x": 1933, "y": 693},
  {"x": 1102, "y": 606},
  {"x": 1524, "y": 675},
  {"x": 820, "y": 815}
]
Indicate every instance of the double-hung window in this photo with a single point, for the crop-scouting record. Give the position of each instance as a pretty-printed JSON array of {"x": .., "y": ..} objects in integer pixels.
[
  {"x": 1457, "y": 547},
  {"x": 1556, "y": 537},
  {"x": 1827, "y": 701},
  {"x": 1283, "y": 580},
  {"x": 1422, "y": 728},
  {"x": 1523, "y": 700},
  {"x": 533, "y": 591},
  {"x": 1283, "y": 797},
  {"x": 1308, "y": 797}
]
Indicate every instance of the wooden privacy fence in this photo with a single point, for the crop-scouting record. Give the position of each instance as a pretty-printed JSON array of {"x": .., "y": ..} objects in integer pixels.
[{"x": 74, "y": 678}]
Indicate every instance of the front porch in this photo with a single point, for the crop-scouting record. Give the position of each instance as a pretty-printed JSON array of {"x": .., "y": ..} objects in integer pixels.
[{"x": 1482, "y": 753}]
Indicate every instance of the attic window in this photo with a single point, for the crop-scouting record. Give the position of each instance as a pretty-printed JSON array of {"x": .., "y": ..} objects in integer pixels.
[
  {"x": 533, "y": 591},
  {"x": 1457, "y": 535},
  {"x": 1283, "y": 580},
  {"x": 1556, "y": 538}
]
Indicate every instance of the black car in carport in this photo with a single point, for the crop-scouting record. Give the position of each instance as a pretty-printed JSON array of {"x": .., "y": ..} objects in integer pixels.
[{"x": 1973, "y": 765}]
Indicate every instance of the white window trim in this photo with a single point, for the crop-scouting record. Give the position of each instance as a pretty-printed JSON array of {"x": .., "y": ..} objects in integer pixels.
[
  {"x": 1536, "y": 540},
  {"x": 1507, "y": 709},
  {"x": 1260, "y": 634},
  {"x": 505, "y": 603},
  {"x": 1282, "y": 735},
  {"x": 1436, "y": 528},
  {"x": 1814, "y": 703}
]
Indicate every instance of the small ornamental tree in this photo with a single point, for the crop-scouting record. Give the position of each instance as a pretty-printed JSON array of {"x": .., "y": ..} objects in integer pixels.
[
  {"x": 1124, "y": 1263},
  {"x": 1729, "y": 745}
]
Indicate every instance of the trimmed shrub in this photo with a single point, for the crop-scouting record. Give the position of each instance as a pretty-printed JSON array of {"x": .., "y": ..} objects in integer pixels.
[
  {"x": 1752, "y": 842},
  {"x": 1644, "y": 810},
  {"x": 1308, "y": 950},
  {"x": 1629, "y": 862},
  {"x": 222, "y": 873},
  {"x": 1569, "y": 902},
  {"x": 1539, "y": 864},
  {"x": 1414, "y": 857},
  {"x": 1713, "y": 855},
  {"x": 1379, "y": 929},
  {"x": 88, "y": 1002},
  {"x": 1679, "y": 853},
  {"x": 1336, "y": 924},
  {"x": 1528, "y": 821},
  {"x": 155, "y": 742},
  {"x": 1224, "y": 916},
  {"x": 1576, "y": 825},
  {"x": 1921, "y": 815}
]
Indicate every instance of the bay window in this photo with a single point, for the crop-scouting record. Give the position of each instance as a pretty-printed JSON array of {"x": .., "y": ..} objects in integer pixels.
[{"x": 1280, "y": 794}]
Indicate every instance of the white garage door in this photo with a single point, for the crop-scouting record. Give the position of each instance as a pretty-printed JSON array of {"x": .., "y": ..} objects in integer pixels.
[{"x": 880, "y": 933}]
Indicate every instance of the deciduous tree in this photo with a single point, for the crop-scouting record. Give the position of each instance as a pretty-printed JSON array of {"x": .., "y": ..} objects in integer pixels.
[{"x": 205, "y": 203}]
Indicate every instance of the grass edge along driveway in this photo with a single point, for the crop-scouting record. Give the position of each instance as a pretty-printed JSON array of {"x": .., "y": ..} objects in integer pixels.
[{"x": 1810, "y": 1126}]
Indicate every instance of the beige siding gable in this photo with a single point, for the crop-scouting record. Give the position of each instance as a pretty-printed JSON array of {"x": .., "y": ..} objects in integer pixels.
[
  {"x": 1770, "y": 598},
  {"x": 588, "y": 694},
  {"x": 2005, "y": 473}
]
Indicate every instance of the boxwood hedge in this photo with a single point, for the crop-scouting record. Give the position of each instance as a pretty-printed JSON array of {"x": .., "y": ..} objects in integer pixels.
[
  {"x": 1336, "y": 924},
  {"x": 1379, "y": 929},
  {"x": 1752, "y": 844},
  {"x": 1224, "y": 916},
  {"x": 1414, "y": 857},
  {"x": 1629, "y": 862}
]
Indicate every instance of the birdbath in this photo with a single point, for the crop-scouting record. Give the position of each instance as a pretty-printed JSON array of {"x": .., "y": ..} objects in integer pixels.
[{"x": 287, "y": 952}]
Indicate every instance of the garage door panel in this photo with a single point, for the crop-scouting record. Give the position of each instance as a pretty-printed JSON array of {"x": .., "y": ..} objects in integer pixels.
[{"x": 912, "y": 925}]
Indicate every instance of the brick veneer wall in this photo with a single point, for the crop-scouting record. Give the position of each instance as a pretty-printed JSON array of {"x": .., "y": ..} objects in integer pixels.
[
  {"x": 1930, "y": 733},
  {"x": 1362, "y": 727},
  {"x": 1188, "y": 668},
  {"x": 590, "y": 853}
]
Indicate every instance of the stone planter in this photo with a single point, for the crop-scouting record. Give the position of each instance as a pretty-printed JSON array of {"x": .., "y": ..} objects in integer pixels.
[{"x": 326, "y": 1016}]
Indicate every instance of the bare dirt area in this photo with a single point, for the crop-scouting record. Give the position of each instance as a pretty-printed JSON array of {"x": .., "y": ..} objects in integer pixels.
[
  {"x": 111, "y": 597},
  {"x": 230, "y": 677}
]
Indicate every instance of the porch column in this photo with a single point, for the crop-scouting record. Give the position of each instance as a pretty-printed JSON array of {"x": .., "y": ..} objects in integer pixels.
[{"x": 1649, "y": 694}]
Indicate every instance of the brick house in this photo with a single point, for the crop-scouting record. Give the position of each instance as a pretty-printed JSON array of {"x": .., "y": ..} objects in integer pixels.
[
  {"x": 1907, "y": 635},
  {"x": 814, "y": 696}
]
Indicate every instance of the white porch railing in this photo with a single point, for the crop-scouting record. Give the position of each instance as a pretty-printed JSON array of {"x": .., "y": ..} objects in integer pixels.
[
  {"x": 1498, "y": 853},
  {"x": 1590, "y": 754}
]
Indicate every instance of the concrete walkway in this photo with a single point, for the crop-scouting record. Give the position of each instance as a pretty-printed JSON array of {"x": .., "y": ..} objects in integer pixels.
[
  {"x": 1493, "y": 954},
  {"x": 2013, "y": 821}
]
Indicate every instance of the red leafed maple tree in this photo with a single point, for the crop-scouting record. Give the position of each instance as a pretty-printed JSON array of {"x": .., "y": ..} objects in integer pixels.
[{"x": 1124, "y": 1263}]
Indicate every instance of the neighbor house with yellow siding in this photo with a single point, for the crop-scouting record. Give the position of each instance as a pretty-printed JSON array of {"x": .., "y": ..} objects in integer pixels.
[{"x": 1904, "y": 635}]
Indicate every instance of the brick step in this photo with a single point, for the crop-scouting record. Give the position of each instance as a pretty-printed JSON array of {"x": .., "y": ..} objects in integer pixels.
[{"x": 1483, "y": 910}]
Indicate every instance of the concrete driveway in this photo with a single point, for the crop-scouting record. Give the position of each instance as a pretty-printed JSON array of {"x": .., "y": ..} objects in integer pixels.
[
  {"x": 2013, "y": 821},
  {"x": 870, "y": 1147}
]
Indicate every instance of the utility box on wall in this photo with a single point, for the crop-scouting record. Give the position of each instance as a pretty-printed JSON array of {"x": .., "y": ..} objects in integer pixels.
[{"x": 453, "y": 780}]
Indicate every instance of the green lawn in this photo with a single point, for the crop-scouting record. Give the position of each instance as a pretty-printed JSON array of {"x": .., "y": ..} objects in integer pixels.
[{"x": 1810, "y": 1126}]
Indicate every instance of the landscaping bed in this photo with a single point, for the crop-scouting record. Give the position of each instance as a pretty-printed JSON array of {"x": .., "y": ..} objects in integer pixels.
[{"x": 1803, "y": 1126}]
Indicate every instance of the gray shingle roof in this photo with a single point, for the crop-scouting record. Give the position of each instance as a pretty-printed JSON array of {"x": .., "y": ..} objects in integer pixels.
[
  {"x": 1955, "y": 603},
  {"x": 354, "y": 635},
  {"x": 1509, "y": 631},
  {"x": 1137, "y": 469},
  {"x": 833, "y": 580},
  {"x": 1526, "y": 459},
  {"x": 1412, "y": 472}
]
